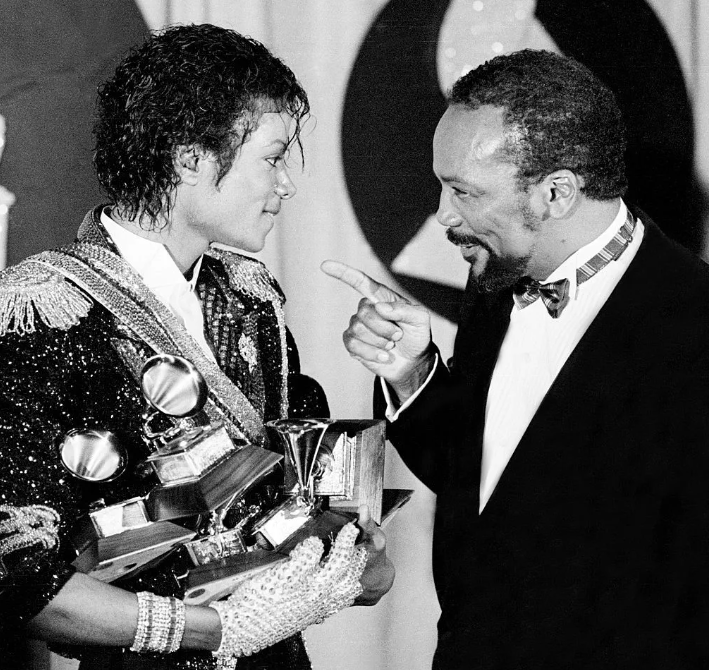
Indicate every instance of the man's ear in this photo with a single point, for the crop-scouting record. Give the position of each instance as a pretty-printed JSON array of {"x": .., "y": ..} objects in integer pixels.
[
  {"x": 189, "y": 163},
  {"x": 562, "y": 192}
]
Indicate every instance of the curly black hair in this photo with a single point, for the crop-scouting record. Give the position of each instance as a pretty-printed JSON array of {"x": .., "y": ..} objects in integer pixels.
[
  {"x": 557, "y": 115},
  {"x": 192, "y": 85}
]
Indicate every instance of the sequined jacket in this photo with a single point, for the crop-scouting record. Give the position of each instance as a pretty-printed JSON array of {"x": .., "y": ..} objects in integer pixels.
[{"x": 67, "y": 362}]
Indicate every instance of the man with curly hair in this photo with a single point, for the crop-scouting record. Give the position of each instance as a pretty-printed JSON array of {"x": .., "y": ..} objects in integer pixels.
[
  {"x": 192, "y": 137},
  {"x": 568, "y": 437}
]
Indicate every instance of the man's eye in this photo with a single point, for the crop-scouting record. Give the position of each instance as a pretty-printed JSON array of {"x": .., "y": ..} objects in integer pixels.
[
  {"x": 459, "y": 193},
  {"x": 274, "y": 160}
]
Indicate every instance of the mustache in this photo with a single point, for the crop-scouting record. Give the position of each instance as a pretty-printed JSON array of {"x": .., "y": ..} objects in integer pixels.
[{"x": 465, "y": 239}]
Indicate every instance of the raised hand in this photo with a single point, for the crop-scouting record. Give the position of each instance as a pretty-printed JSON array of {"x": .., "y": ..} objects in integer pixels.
[{"x": 389, "y": 335}]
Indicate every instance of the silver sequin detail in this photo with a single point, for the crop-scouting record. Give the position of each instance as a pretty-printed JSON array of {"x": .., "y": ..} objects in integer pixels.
[
  {"x": 248, "y": 352},
  {"x": 253, "y": 278}
]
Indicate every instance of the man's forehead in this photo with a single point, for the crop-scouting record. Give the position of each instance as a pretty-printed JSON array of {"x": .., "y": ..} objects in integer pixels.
[
  {"x": 474, "y": 133},
  {"x": 468, "y": 145}
]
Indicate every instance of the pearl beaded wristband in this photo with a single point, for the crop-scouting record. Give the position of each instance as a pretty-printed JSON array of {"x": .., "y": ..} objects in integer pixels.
[{"x": 161, "y": 624}]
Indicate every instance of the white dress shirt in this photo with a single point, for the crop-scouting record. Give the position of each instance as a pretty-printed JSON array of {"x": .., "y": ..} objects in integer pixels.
[
  {"x": 152, "y": 261},
  {"x": 535, "y": 349}
]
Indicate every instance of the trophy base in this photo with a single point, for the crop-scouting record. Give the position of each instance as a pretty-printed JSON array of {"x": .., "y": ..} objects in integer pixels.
[
  {"x": 293, "y": 521},
  {"x": 325, "y": 525},
  {"x": 125, "y": 554},
  {"x": 283, "y": 521},
  {"x": 228, "y": 480},
  {"x": 392, "y": 501},
  {"x": 218, "y": 579}
]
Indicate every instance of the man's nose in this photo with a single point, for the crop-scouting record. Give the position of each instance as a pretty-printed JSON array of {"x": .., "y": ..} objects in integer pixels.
[
  {"x": 446, "y": 215},
  {"x": 285, "y": 188}
]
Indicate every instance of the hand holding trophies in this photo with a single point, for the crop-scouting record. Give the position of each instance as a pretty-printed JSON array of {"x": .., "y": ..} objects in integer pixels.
[{"x": 292, "y": 595}]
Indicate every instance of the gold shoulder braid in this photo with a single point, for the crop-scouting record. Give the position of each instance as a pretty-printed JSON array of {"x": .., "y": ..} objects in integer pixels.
[
  {"x": 29, "y": 290},
  {"x": 251, "y": 277}
]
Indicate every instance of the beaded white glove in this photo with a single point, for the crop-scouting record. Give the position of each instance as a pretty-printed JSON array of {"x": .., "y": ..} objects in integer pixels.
[{"x": 292, "y": 595}]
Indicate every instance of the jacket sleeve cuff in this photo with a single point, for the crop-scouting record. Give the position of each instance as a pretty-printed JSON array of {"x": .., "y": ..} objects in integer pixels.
[{"x": 392, "y": 412}]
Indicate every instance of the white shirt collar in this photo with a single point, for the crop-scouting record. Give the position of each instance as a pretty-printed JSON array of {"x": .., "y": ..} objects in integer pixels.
[
  {"x": 567, "y": 270},
  {"x": 151, "y": 260}
]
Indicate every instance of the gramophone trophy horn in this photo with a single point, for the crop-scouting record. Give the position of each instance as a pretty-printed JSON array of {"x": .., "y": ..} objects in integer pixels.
[{"x": 200, "y": 468}]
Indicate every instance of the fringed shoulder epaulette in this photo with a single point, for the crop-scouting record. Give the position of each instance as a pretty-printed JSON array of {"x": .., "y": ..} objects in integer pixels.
[
  {"x": 31, "y": 290},
  {"x": 250, "y": 276}
]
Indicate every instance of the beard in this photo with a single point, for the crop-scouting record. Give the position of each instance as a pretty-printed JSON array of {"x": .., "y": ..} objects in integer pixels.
[{"x": 499, "y": 272}]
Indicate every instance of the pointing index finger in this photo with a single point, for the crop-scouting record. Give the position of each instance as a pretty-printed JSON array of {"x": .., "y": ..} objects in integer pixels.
[{"x": 359, "y": 281}]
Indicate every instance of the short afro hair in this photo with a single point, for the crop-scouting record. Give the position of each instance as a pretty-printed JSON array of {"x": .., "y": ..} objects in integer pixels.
[
  {"x": 194, "y": 85},
  {"x": 557, "y": 114}
]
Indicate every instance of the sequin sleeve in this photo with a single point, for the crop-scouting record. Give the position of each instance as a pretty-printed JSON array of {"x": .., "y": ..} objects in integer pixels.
[
  {"x": 30, "y": 384},
  {"x": 49, "y": 385}
]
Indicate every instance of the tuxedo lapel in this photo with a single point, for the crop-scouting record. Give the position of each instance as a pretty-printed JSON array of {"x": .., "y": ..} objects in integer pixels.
[
  {"x": 484, "y": 321},
  {"x": 595, "y": 373}
]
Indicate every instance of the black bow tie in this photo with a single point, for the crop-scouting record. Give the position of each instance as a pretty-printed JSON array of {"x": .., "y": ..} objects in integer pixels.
[{"x": 554, "y": 295}]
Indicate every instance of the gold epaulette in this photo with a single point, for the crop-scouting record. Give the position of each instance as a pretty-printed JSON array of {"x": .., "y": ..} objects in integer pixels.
[{"x": 32, "y": 289}]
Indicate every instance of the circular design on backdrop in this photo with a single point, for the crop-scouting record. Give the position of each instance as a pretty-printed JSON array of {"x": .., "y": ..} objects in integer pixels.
[{"x": 393, "y": 102}]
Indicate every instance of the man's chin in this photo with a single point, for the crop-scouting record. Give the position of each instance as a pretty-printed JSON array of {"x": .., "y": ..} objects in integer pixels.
[
  {"x": 494, "y": 284},
  {"x": 478, "y": 257},
  {"x": 495, "y": 278}
]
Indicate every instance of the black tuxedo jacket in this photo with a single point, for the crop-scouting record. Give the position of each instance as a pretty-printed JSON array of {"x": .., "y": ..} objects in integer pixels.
[{"x": 593, "y": 551}]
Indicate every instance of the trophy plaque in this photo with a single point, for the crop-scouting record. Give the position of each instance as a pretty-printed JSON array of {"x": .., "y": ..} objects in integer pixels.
[
  {"x": 219, "y": 578},
  {"x": 351, "y": 466},
  {"x": 330, "y": 468}
]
